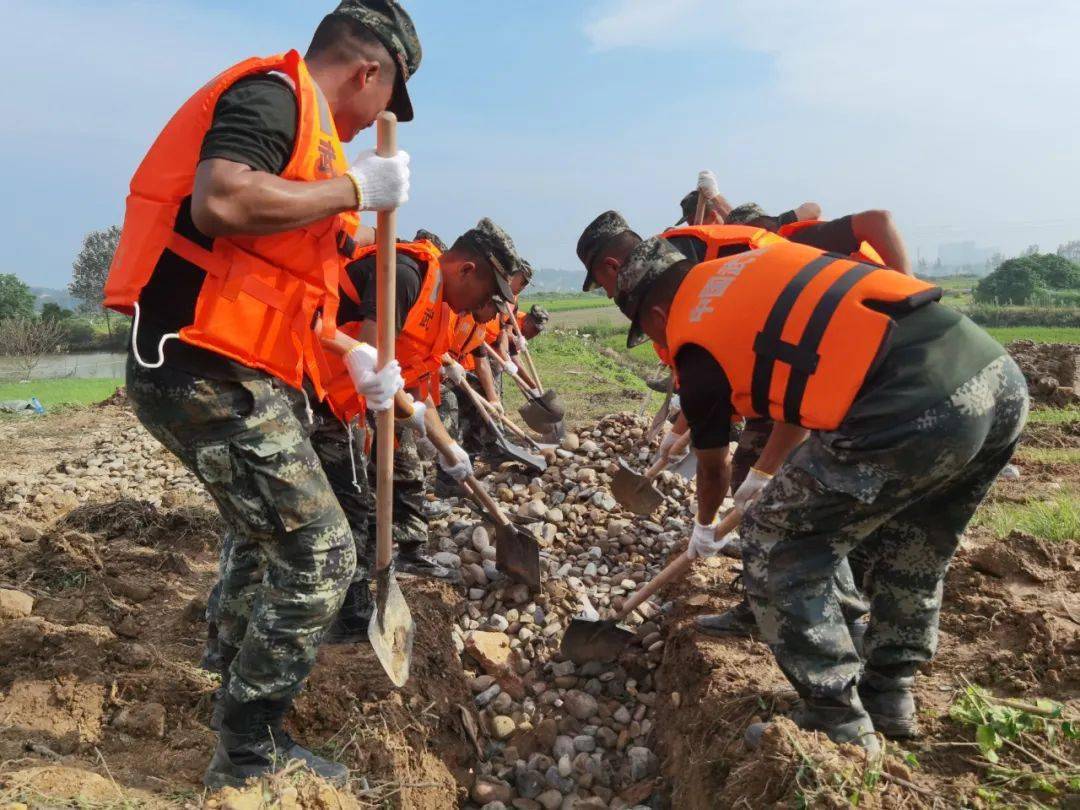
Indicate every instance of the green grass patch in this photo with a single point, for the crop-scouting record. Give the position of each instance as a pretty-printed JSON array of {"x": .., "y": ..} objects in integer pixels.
[
  {"x": 1049, "y": 455},
  {"x": 64, "y": 391},
  {"x": 1053, "y": 416},
  {"x": 1040, "y": 334},
  {"x": 567, "y": 302},
  {"x": 1056, "y": 518}
]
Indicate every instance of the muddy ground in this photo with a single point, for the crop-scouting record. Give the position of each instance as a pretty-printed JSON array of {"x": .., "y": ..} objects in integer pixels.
[{"x": 101, "y": 697}]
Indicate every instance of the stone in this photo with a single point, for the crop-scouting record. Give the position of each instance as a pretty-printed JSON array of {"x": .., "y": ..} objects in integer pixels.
[
  {"x": 141, "y": 720},
  {"x": 604, "y": 501},
  {"x": 28, "y": 532},
  {"x": 643, "y": 763},
  {"x": 489, "y": 789},
  {"x": 550, "y": 799},
  {"x": 584, "y": 743},
  {"x": 1010, "y": 473},
  {"x": 564, "y": 747},
  {"x": 502, "y": 726},
  {"x": 529, "y": 783},
  {"x": 15, "y": 604},
  {"x": 580, "y": 704}
]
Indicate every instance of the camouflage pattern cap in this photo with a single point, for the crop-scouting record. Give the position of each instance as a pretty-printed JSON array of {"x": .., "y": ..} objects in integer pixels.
[
  {"x": 525, "y": 269},
  {"x": 539, "y": 315},
  {"x": 745, "y": 213},
  {"x": 427, "y": 236},
  {"x": 688, "y": 204},
  {"x": 394, "y": 28},
  {"x": 645, "y": 264},
  {"x": 593, "y": 239},
  {"x": 495, "y": 245}
]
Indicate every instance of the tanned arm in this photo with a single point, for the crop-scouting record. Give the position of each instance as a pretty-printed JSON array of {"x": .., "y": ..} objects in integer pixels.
[
  {"x": 878, "y": 229},
  {"x": 783, "y": 439},
  {"x": 713, "y": 480}
]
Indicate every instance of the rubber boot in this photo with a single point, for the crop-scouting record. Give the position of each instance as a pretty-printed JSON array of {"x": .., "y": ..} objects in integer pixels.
[
  {"x": 409, "y": 560},
  {"x": 739, "y": 621},
  {"x": 350, "y": 626},
  {"x": 890, "y": 703},
  {"x": 845, "y": 721},
  {"x": 217, "y": 700},
  {"x": 253, "y": 744}
]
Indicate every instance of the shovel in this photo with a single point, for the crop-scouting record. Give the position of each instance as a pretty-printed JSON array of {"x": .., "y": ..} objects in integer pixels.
[
  {"x": 592, "y": 640},
  {"x": 391, "y": 629},
  {"x": 517, "y": 554},
  {"x": 662, "y": 414},
  {"x": 508, "y": 447},
  {"x": 540, "y": 413},
  {"x": 525, "y": 352},
  {"x": 638, "y": 493}
]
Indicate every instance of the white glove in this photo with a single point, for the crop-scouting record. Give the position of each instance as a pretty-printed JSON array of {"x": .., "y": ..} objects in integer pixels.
[
  {"x": 377, "y": 387},
  {"x": 707, "y": 184},
  {"x": 751, "y": 489},
  {"x": 510, "y": 368},
  {"x": 455, "y": 372},
  {"x": 415, "y": 422},
  {"x": 521, "y": 343},
  {"x": 676, "y": 403},
  {"x": 705, "y": 543},
  {"x": 498, "y": 407},
  {"x": 384, "y": 182},
  {"x": 671, "y": 438},
  {"x": 461, "y": 467}
]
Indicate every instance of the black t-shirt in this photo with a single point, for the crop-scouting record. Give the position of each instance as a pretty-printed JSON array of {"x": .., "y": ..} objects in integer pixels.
[
  {"x": 410, "y": 278},
  {"x": 255, "y": 124},
  {"x": 929, "y": 354}
]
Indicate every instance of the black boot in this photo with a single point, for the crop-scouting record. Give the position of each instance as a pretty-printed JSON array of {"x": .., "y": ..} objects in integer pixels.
[
  {"x": 211, "y": 660},
  {"x": 350, "y": 626},
  {"x": 217, "y": 700},
  {"x": 409, "y": 560},
  {"x": 252, "y": 744},
  {"x": 844, "y": 721},
  {"x": 739, "y": 621},
  {"x": 890, "y": 703}
]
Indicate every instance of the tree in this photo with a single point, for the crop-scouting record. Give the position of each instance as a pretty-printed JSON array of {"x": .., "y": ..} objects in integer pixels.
[
  {"x": 27, "y": 339},
  {"x": 52, "y": 311},
  {"x": 1070, "y": 251},
  {"x": 91, "y": 268},
  {"x": 1056, "y": 272},
  {"x": 1014, "y": 282},
  {"x": 1031, "y": 250},
  {"x": 15, "y": 298}
]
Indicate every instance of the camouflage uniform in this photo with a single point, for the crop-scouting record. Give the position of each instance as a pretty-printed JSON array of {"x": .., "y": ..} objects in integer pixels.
[
  {"x": 289, "y": 555},
  {"x": 410, "y": 526},
  {"x": 752, "y": 440},
  {"x": 903, "y": 495}
]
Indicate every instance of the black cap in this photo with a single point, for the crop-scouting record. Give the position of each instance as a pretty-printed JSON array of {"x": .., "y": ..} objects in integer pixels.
[
  {"x": 394, "y": 28},
  {"x": 595, "y": 237}
]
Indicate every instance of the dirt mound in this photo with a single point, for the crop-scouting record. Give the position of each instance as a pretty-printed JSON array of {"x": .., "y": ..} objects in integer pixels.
[
  {"x": 292, "y": 789},
  {"x": 1052, "y": 370},
  {"x": 118, "y": 399},
  {"x": 194, "y": 528},
  {"x": 59, "y": 786}
]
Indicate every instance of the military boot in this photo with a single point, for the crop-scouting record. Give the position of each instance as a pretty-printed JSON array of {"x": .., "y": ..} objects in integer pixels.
[
  {"x": 843, "y": 721},
  {"x": 739, "y": 621},
  {"x": 410, "y": 560},
  {"x": 252, "y": 744},
  {"x": 217, "y": 700},
  {"x": 350, "y": 626},
  {"x": 890, "y": 703}
]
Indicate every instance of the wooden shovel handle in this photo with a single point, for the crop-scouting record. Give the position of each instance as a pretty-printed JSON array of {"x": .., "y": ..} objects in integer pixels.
[
  {"x": 471, "y": 485},
  {"x": 502, "y": 364},
  {"x": 525, "y": 353},
  {"x": 676, "y": 449},
  {"x": 386, "y": 304},
  {"x": 676, "y": 569}
]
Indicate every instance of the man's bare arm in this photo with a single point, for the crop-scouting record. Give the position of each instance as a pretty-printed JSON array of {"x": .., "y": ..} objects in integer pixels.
[
  {"x": 783, "y": 439},
  {"x": 231, "y": 199},
  {"x": 878, "y": 229},
  {"x": 713, "y": 480}
]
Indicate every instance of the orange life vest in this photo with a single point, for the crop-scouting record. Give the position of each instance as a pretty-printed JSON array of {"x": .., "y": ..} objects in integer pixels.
[
  {"x": 865, "y": 253},
  {"x": 718, "y": 237},
  {"x": 261, "y": 294},
  {"x": 466, "y": 336},
  {"x": 796, "y": 330},
  {"x": 662, "y": 353},
  {"x": 423, "y": 340}
]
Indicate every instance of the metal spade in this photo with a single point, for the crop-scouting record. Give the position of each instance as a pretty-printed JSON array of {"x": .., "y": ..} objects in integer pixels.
[
  {"x": 637, "y": 493},
  {"x": 517, "y": 554},
  {"x": 514, "y": 451}
]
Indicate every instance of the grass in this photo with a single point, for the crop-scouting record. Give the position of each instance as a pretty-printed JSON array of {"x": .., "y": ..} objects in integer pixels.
[
  {"x": 1053, "y": 416},
  {"x": 65, "y": 391},
  {"x": 567, "y": 302},
  {"x": 1056, "y": 518},
  {"x": 1039, "y": 334},
  {"x": 1049, "y": 455}
]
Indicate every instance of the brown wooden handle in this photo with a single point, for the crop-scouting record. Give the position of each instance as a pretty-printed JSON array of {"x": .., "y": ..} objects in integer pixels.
[
  {"x": 525, "y": 353},
  {"x": 676, "y": 569},
  {"x": 487, "y": 501},
  {"x": 386, "y": 305},
  {"x": 661, "y": 414}
]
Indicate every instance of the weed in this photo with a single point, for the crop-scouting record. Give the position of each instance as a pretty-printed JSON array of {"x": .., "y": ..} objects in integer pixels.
[
  {"x": 65, "y": 391},
  {"x": 1053, "y": 416},
  {"x": 1055, "y": 519}
]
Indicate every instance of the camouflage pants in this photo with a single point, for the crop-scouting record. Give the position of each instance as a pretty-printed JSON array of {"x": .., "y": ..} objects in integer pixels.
[
  {"x": 904, "y": 495},
  {"x": 477, "y": 436},
  {"x": 450, "y": 411},
  {"x": 410, "y": 526},
  {"x": 289, "y": 553}
]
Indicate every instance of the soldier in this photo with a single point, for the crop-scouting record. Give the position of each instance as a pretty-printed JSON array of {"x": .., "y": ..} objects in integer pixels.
[
  {"x": 226, "y": 260},
  {"x": 911, "y": 410}
]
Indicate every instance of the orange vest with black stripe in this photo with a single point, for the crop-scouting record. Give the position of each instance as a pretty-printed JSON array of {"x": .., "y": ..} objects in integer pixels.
[
  {"x": 420, "y": 345},
  {"x": 865, "y": 253},
  {"x": 466, "y": 336},
  {"x": 261, "y": 294},
  {"x": 718, "y": 237},
  {"x": 796, "y": 330}
]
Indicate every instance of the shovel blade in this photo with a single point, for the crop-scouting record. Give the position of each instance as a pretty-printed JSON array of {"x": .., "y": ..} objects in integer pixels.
[
  {"x": 686, "y": 467},
  {"x": 518, "y": 453},
  {"x": 634, "y": 491},
  {"x": 538, "y": 417},
  {"x": 517, "y": 554},
  {"x": 391, "y": 629},
  {"x": 586, "y": 641}
]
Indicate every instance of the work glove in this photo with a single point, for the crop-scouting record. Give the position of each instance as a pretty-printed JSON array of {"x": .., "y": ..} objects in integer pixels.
[
  {"x": 667, "y": 444},
  {"x": 461, "y": 467},
  {"x": 455, "y": 372},
  {"x": 510, "y": 367},
  {"x": 377, "y": 387},
  {"x": 707, "y": 185},
  {"x": 383, "y": 182},
  {"x": 751, "y": 488},
  {"x": 415, "y": 422},
  {"x": 676, "y": 403},
  {"x": 705, "y": 543},
  {"x": 498, "y": 407},
  {"x": 521, "y": 343}
]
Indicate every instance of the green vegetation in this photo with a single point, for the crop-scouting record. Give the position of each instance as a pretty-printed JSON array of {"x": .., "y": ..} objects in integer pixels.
[
  {"x": 1053, "y": 416},
  {"x": 567, "y": 302},
  {"x": 65, "y": 391},
  {"x": 1040, "y": 334},
  {"x": 1049, "y": 455},
  {"x": 16, "y": 300},
  {"x": 1024, "y": 746},
  {"x": 1055, "y": 519},
  {"x": 1041, "y": 278}
]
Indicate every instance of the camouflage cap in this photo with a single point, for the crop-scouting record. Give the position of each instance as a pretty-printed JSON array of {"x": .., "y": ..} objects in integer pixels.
[
  {"x": 645, "y": 264},
  {"x": 495, "y": 245},
  {"x": 593, "y": 239},
  {"x": 539, "y": 315},
  {"x": 394, "y": 28},
  {"x": 688, "y": 204},
  {"x": 525, "y": 269},
  {"x": 427, "y": 236},
  {"x": 745, "y": 213}
]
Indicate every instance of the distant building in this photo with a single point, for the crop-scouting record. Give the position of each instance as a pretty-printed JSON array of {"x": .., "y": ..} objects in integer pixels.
[{"x": 963, "y": 254}]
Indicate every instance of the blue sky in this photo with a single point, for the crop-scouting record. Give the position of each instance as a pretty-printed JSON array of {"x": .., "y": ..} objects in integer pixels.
[{"x": 960, "y": 117}]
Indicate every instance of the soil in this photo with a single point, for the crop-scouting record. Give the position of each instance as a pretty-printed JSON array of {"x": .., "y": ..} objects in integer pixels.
[{"x": 1051, "y": 369}]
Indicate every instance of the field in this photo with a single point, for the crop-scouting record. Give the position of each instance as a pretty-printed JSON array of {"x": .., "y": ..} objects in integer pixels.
[{"x": 66, "y": 391}]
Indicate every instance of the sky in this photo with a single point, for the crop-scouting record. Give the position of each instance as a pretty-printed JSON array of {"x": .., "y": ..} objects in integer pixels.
[{"x": 960, "y": 117}]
